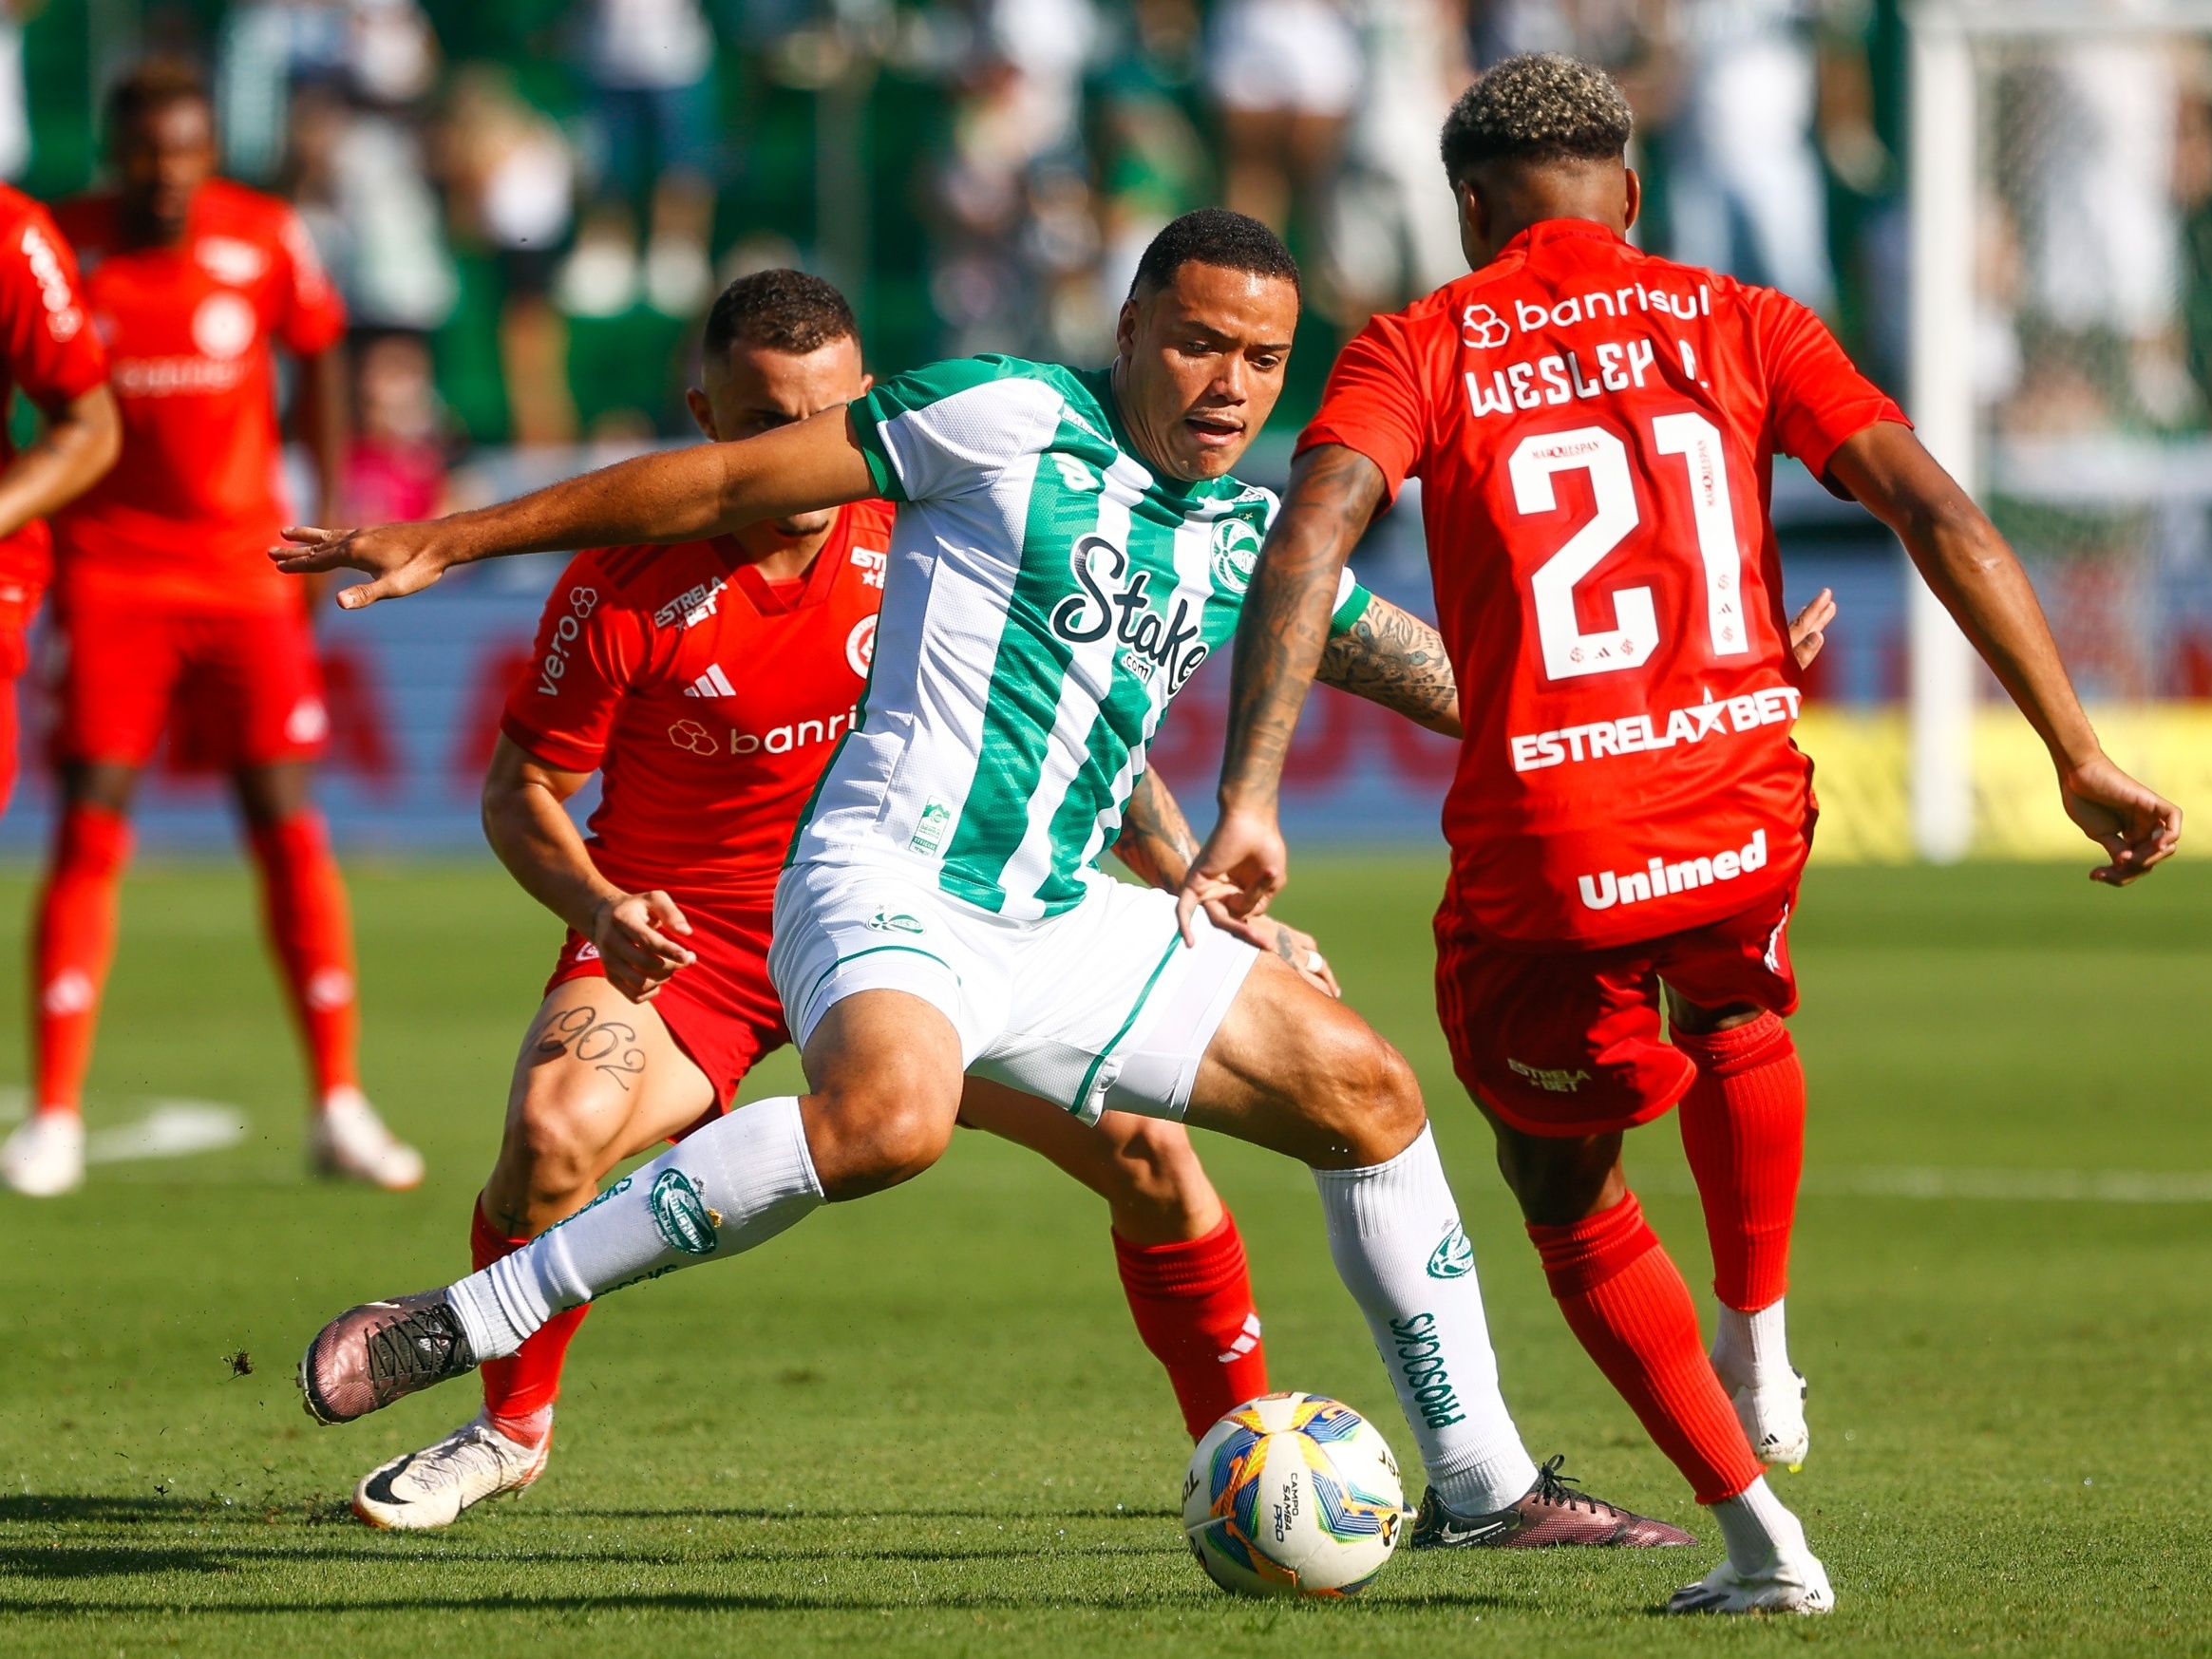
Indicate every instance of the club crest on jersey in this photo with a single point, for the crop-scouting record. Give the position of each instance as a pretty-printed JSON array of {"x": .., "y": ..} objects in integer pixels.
[
  {"x": 861, "y": 647},
  {"x": 1236, "y": 554},
  {"x": 1168, "y": 645}
]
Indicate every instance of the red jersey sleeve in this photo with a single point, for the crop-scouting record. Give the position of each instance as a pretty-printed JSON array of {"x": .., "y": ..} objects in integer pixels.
[
  {"x": 1816, "y": 397},
  {"x": 1374, "y": 403},
  {"x": 308, "y": 315},
  {"x": 591, "y": 649},
  {"x": 53, "y": 352}
]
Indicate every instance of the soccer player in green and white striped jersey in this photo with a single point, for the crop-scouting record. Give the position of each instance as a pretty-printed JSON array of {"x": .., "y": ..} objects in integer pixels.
[{"x": 1068, "y": 549}]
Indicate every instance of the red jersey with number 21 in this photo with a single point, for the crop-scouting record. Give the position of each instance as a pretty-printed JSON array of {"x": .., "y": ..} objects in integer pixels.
[
  {"x": 707, "y": 700},
  {"x": 1595, "y": 432}
]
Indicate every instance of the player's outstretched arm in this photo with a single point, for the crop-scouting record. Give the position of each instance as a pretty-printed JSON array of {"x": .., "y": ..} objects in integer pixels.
[
  {"x": 679, "y": 495},
  {"x": 536, "y": 841},
  {"x": 1334, "y": 493},
  {"x": 1391, "y": 657},
  {"x": 82, "y": 439},
  {"x": 1155, "y": 845},
  {"x": 1969, "y": 567}
]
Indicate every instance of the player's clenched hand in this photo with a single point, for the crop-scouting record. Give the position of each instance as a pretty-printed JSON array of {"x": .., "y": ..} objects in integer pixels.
[
  {"x": 1242, "y": 867},
  {"x": 2137, "y": 827},
  {"x": 632, "y": 931},
  {"x": 1808, "y": 628},
  {"x": 398, "y": 558}
]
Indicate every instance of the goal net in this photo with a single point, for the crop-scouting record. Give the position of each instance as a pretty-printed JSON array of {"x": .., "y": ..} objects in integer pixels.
[{"x": 2062, "y": 359}]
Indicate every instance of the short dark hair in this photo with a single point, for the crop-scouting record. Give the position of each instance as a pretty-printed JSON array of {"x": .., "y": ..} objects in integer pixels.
[
  {"x": 783, "y": 311},
  {"x": 152, "y": 84},
  {"x": 1539, "y": 107},
  {"x": 1214, "y": 236}
]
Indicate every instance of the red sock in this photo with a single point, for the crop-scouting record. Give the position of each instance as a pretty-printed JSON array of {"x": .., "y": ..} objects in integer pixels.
[
  {"x": 8, "y": 737},
  {"x": 1631, "y": 1309},
  {"x": 303, "y": 899},
  {"x": 1743, "y": 1126},
  {"x": 1191, "y": 1302},
  {"x": 518, "y": 1391},
  {"x": 75, "y": 942}
]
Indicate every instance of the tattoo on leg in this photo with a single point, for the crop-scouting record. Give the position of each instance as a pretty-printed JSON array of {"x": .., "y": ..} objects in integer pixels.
[{"x": 605, "y": 1044}]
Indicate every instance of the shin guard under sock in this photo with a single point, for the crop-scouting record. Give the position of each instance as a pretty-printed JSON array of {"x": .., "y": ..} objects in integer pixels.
[
  {"x": 1395, "y": 1231},
  {"x": 518, "y": 1391},
  {"x": 303, "y": 900},
  {"x": 1743, "y": 1129},
  {"x": 731, "y": 1185},
  {"x": 1192, "y": 1301},
  {"x": 74, "y": 945},
  {"x": 1631, "y": 1310}
]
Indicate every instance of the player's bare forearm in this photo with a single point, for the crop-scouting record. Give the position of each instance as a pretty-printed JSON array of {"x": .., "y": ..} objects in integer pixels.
[
  {"x": 679, "y": 495},
  {"x": 1391, "y": 657},
  {"x": 531, "y": 831},
  {"x": 1285, "y": 627},
  {"x": 81, "y": 441},
  {"x": 1969, "y": 567},
  {"x": 1156, "y": 843}
]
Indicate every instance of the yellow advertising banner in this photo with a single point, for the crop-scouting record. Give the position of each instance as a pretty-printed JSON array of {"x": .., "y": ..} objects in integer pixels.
[{"x": 1859, "y": 771}]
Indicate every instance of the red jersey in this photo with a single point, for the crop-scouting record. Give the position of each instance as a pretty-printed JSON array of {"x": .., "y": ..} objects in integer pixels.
[
  {"x": 49, "y": 353},
  {"x": 708, "y": 702},
  {"x": 1595, "y": 431},
  {"x": 186, "y": 518}
]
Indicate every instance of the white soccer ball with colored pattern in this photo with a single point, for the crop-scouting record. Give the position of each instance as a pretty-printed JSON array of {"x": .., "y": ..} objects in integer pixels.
[{"x": 1293, "y": 1495}]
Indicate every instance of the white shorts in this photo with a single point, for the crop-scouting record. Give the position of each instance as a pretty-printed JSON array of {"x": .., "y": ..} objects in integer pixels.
[
  {"x": 1102, "y": 1008},
  {"x": 1298, "y": 55}
]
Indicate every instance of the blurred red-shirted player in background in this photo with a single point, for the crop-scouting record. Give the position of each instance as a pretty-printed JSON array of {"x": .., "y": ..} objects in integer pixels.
[
  {"x": 165, "y": 598},
  {"x": 50, "y": 349},
  {"x": 1595, "y": 431}
]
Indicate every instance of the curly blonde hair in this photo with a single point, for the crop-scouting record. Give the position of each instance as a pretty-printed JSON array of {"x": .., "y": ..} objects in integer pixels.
[{"x": 1539, "y": 106}]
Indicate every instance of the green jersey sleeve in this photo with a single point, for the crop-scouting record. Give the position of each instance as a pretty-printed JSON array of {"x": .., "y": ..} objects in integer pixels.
[
  {"x": 1352, "y": 603},
  {"x": 953, "y": 427}
]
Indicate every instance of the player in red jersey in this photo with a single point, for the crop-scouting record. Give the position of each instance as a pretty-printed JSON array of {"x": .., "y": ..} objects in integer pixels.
[
  {"x": 50, "y": 351},
  {"x": 163, "y": 597},
  {"x": 707, "y": 683},
  {"x": 1595, "y": 430}
]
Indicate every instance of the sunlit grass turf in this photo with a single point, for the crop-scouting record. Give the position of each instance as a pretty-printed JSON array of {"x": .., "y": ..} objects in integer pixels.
[{"x": 923, "y": 1423}]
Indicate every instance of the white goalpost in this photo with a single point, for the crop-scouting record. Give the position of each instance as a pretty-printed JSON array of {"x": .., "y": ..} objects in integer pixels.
[{"x": 1975, "y": 65}]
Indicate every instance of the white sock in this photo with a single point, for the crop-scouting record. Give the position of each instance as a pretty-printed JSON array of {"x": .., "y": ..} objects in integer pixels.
[
  {"x": 1750, "y": 1350},
  {"x": 734, "y": 1184},
  {"x": 1761, "y": 1534},
  {"x": 1395, "y": 1231}
]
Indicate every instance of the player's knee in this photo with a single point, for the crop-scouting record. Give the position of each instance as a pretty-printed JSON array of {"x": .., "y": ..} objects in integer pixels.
[
  {"x": 864, "y": 1140},
  {"x": 1365, "y": 1088},
  {"x": 552, "y": 1146}
]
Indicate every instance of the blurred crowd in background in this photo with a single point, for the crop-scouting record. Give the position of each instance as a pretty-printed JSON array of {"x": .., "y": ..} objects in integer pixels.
[{"x": 530, "y": 202}]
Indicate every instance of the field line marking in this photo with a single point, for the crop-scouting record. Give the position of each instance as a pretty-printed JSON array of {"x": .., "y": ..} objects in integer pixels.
[{"x": 2103, "y": 1186}]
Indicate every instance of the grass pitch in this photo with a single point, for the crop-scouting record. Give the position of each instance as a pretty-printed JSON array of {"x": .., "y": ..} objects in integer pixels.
[{"x": 923, "y": 1423}]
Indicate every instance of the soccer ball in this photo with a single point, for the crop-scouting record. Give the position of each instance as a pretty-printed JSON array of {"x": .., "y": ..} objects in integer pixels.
[{"x": 1293, "y": 1495}]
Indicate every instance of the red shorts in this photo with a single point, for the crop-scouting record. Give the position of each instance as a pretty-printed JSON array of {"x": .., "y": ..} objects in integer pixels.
[
  {"x": 1569, "y": 1042},
  {"x": 722, "y": 1010},
  {"x": 246, "y": 686}
]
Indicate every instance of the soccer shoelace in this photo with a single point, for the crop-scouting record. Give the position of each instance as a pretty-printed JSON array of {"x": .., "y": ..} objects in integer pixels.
[
  {"x": 1555, "y": 1488},
  {"x": 424, "y": 1346}
]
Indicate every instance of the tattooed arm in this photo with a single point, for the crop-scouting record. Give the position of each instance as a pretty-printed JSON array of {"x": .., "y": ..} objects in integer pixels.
[
  {"x": 1280, "y": 641},
  {"x": 536, "y": 841},
  {"x": 1391, "y": 657},
  {"x": 1157, "y": 846}
]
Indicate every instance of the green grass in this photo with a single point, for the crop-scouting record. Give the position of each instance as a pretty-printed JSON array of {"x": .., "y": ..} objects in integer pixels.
[{"x": 923, "y": 1423}]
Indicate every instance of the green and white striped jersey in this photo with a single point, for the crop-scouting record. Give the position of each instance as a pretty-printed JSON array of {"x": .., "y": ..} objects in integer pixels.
[{"x": 1046, "y": 595}]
